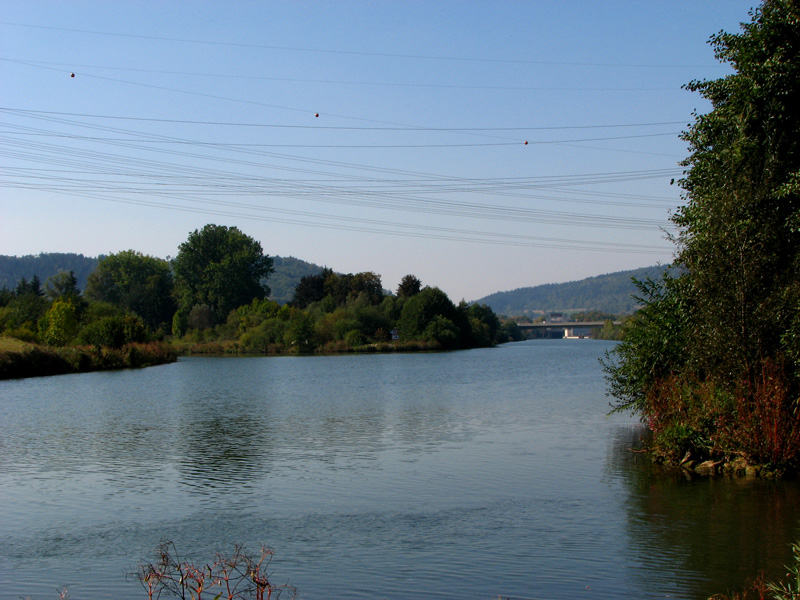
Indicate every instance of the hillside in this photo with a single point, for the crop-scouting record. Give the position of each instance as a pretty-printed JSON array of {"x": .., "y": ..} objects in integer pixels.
[
  {"x": 288, "y": 273},
  {"x": 14, "y": 268},
  {"x": 610, "y": 293}
]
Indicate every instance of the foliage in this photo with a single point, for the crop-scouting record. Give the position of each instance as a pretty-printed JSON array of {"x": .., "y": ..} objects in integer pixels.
[
  {"x": 60, "y": 324},
  {"x": 421, "y": 309},
  {"x": 409, "y": 286},
  {"x": 23, "y": 311},
  {"x": 310, "y": 289},
  {"x": 738, "y": 236},
  {"x": 352, "y": 315},
  {"x": 113, "y": 332},
  {"x": 33, "y": 361},
  {"x": 135, "y": 282},
  {"x": 62, "y": 285},
  {"x": 221, "y": 267},
  {"x": 509, "y": 332},
  {"x": 790, "y": 589},
  {"x": 655, "y": 343},
  {"x": 201, "y": 317},
  {"x": 340, "y": 289},
  {"x": 711, "y": 360}
]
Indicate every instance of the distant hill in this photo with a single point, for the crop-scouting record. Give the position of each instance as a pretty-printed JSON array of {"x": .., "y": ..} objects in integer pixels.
[
  {"x": 288, "y": 271},
  {"x": 611, "y": 293},
  {"x": 14, "y": 268}
]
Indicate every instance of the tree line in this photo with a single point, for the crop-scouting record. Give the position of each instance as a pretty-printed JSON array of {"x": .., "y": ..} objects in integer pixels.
[{"x": 215, "y": 292}]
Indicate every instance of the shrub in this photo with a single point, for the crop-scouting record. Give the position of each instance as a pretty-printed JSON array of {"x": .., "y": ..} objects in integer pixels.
[{"x": 238, "y": 576}]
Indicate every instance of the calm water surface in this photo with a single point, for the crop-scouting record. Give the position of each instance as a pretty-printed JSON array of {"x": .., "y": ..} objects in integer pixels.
[{"x": 441, "y": 476}]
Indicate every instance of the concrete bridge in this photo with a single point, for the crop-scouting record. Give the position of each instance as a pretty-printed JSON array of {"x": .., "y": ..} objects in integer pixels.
[{"x": 566, "y": 329}]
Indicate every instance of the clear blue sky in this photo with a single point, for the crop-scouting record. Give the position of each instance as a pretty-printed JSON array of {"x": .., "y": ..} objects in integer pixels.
[{"x": 181, "y": 114}]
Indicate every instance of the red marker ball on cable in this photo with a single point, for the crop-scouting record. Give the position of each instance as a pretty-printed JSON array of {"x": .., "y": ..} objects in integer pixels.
[
  {"x": 526, "y": 142},
  {"x": 72, "y": 74},
  {"x": 316, "y": 114}
]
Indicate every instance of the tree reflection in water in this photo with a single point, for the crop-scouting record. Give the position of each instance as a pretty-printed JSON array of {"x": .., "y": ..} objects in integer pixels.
[{"x": 714, "y": 533}]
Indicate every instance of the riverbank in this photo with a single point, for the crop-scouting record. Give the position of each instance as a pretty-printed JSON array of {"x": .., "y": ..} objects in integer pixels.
[
  {"x": 233, "y": 347},
  {"x": 702, "y": 464},
  {"x": 20, "y": 359}
]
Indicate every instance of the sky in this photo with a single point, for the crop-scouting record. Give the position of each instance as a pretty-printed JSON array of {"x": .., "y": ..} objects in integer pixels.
[{"x": 481, "y": 146}]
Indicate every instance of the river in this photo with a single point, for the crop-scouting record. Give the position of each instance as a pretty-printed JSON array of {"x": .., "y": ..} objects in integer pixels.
[{"x": 460, "y": 475}]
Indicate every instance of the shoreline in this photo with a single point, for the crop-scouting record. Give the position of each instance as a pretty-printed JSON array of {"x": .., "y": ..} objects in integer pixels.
[{"x": 20, "y": 360}]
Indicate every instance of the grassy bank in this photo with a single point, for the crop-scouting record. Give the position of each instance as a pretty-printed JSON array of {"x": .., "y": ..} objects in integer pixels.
[{"x": 20, "y": 359}]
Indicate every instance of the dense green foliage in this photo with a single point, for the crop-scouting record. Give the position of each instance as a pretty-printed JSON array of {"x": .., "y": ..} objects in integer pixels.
[
  {"x": 137, "y": 283},
  {"x": 333, "y": 312},
  {"x": 611, "y": 293},
  {"x": 220, "y": 267},
  {"x": 712, "y": 360},
  {"x": 213, "y": 297}
]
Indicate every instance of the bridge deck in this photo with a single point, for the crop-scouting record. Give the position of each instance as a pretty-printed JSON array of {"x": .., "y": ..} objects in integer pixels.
[{"x": 566, "y": 325}]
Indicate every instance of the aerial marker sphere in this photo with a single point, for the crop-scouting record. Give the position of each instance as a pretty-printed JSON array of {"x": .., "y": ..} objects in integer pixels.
[
  {"x": 72, "y": 74},
  {"x": 316, "y": 114},
  {"x": 526, "y": 142}
]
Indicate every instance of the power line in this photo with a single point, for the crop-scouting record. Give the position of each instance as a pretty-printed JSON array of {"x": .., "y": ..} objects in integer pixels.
[
  {"x": 344, "y": 82},
  {"x": 356, "y": 53},
  {"x": 409, "y": 128}
]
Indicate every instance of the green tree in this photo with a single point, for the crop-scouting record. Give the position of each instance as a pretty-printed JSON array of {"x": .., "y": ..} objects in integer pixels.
[
  {"x": 310, "y": 289},
  {"x": 221, "y": 267},
  {"x": 409, "y": 286},
  {"x": 113, "y": 331},
  {"x": 740, "y": 227},
  {"x": 421, "y": 310},
  {"x": 20, "y": 316},
  {"x": 32, "y": 287},
  {"x": 484, "y": 324},
  {"x": 62, "y": 285},
  {"x": 717, "y": 340},
  {"x": 59, "y": 324},
  {"x": 136, "y": 282}
]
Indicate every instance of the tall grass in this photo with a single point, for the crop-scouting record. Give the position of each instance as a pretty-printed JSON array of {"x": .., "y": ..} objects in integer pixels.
[
  {"x": 756, "y": 418},
  {"x": 33, "y": 360}
]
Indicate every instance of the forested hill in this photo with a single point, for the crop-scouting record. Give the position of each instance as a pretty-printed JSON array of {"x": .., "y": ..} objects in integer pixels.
[
  {"x": 14, "y": 268},
  {"x": 610, "y": 293},
  {"x": 288, "y": 271}
]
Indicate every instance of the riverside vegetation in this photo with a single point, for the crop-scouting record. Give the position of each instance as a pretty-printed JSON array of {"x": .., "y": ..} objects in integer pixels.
[
  {"x": 138, "y": 310},
  {"x": 712, "y": 361}
]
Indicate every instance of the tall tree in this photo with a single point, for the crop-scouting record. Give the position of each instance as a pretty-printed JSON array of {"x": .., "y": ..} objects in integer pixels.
[
  {"x": 221, "y": 267},
  {"x": 136, "y": 282},
  {"x": 311, "y": 288},
  {"x": 719, "y": 344},
  {"x": 62, "y": 285},
  {"x": 740, "y": 227},
  {"x": 409, "y": 286}
]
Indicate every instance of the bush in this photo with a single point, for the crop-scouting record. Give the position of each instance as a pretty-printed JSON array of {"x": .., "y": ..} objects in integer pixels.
[
  {"x": 354, "y": 338},
  {"x": 113, "y": 332}
]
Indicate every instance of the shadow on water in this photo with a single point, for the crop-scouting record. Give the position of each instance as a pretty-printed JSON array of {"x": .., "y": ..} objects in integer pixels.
[{"x": 714, "y": 534}]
